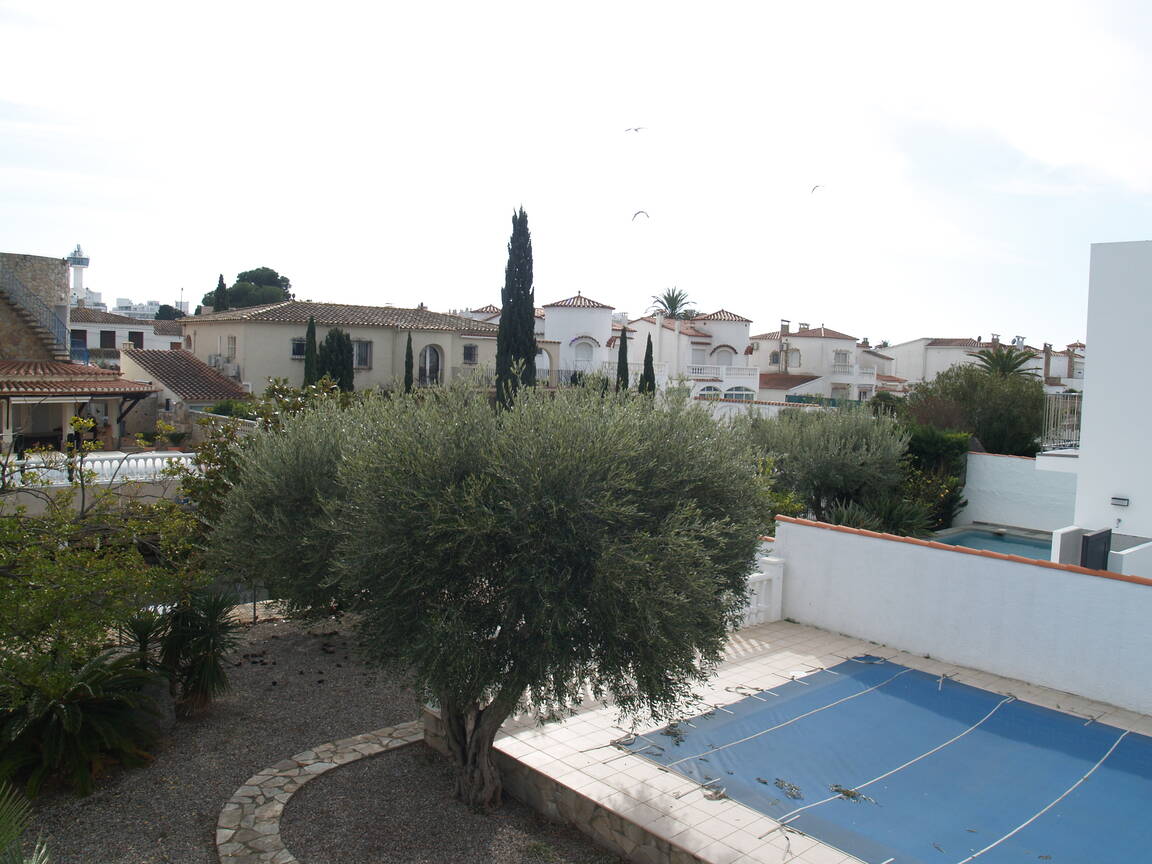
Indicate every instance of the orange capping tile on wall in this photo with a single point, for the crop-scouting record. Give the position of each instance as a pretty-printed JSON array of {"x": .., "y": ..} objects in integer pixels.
[{"x": 933, "y": 544}]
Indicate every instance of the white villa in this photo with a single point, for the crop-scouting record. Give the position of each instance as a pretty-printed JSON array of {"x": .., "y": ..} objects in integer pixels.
[{"x": 924, "y": 358}]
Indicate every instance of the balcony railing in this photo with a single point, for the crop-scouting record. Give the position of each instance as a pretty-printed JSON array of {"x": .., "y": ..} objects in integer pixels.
[
  {"x": 853, "y": 370},
  {"x": 744, "y": 374},
  {"x": 54, "y": 469},
  {"x": 1062, "y": 413}
]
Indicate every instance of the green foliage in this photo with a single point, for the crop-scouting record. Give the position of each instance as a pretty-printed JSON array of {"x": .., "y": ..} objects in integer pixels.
[
  {"x": 516, "y": 337},
  {"x": 267, "y": 277},
  {"x": 648, "y": 376},
  {"x": 932, "y": 449},
  {"x": 940, "y": 494},
  {"x": 59, "y": 716},
  {"x": 887, "y": 404},
  {"x": 241, "y": 408},
  {"x": 218, "y": 299},
  {"x": 168, "y": 313},
  {"x": 14, "y": 816},
  {"x": 622, "y": 374},
  {"x": 408, "y": 365},
  {"x": 311, "y": 369},
  {"x": 673, "y": 303},
  {"x": 251, "y": 288},
  {"x": 577, "y": 538},
  {"x": 1005, "y": 413},
  {"x": 1004, "y": 361},
  {"x": 244, "y": 294},
  {"x": 199, "y": 633},
  {"x": 890, "y": 514},
  {"x": 335, "y": 359},
  {"x": 831, "y": 457}
]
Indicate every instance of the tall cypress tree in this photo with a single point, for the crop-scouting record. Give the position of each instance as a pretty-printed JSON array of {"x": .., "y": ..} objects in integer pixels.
[
  {"x": 408, "y": 365},
  {"x": 648, "y": 376},
  {"x": 311, "y": 375},
  {"x": 516, "y": 338},
  {"x": 335, "y": 358},
  {"x": 622, "y": 363},
  {"x": 220, "y": 301}
]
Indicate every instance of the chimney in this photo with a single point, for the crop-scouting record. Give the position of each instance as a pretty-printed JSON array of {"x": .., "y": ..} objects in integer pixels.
[
  {"x": 784, "y": 324},
  {"x": 1047, "y": 360},
  {"x": 1071, "y": 362},
  {"x": 802, "y": 326},
  {"x": 864, "y": 342},
  {"x": 995, "y": 338}
]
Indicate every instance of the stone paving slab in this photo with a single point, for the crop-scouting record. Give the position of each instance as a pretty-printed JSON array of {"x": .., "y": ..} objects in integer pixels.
[{"x": 248, "y": 829}]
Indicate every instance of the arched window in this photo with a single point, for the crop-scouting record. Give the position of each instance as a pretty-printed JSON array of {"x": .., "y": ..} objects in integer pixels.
[
  {"x": 723, "y": 356},
  {"x": 709, "y": 393},
  {"x": 740, "y": 394},
  {"x": 583, "y": 354},
  {"x": 429, "y": 366},
  {"x": 774, "y": 358},
  {"x": 793, "y": 358}
]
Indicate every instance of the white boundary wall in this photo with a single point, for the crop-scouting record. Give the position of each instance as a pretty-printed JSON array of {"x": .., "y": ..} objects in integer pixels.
[
  {"x": 1072, "y": 631},
  {"x": 1009, "y": 490}
]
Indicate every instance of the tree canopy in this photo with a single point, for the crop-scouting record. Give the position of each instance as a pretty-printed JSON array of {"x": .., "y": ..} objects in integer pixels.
[
  {"x": 168, "y": 313},
  {"x": 251, "y": 288},
  {"x": 648, "y": 376},
  {"x": 577, "y": 539},
  {"x": 1004, "y": 412},
  {"x": 673, "y": 303},
  {"x": 311, "y": 360},
  {"x": 516, "y": 337},
  {"x": 1004, "y": 360}
]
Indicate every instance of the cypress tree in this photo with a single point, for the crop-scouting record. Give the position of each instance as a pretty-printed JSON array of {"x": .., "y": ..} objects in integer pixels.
[
  {"x": 648, "y": 376},
  {"x": 516, "y": 338},
  {"x": 220, "y": 301},
  {"x": 622, "y": 363},
  {"x": 335, "y": 358},
  {"x": 311, "y": 375},
  {"x": 408, "y": 365}
]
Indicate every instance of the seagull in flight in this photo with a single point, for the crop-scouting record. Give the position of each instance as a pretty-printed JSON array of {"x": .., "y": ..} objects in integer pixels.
[
  {"x": 635, "y": 128},
  {"x": 638, "y": 212},
  {"x": 814, "y": 188}
]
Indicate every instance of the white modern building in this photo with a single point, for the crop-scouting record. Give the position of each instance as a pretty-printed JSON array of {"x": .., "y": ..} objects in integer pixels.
[{"x": 924, "y": 358}]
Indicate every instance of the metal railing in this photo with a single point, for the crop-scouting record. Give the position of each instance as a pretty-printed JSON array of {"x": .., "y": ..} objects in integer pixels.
[
  {"x": 40, "y": 311},
  {"x": 80, "y": 355},
  {"x": 1062, "y": 414}
]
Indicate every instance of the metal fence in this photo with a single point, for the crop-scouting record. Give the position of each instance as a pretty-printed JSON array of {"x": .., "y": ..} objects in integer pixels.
[
  {"x": 40, "y": 311},
  {"x": 1062, "y": 413}
]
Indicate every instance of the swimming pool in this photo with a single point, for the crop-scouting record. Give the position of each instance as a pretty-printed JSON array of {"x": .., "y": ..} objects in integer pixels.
[
  {"x": 897, "y": 766},
  {"x": 1007, "y": 544}
]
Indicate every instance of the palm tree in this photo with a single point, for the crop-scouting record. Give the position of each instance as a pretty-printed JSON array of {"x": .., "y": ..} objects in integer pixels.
[
  {"x": 1004, "y": 361},
  {"x": 673, "y": 303}
]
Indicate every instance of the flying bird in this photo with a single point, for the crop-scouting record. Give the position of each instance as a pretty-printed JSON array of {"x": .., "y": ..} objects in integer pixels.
[
  {"x": 638, "y": 212},
  {"x": 635, "y": 128},
  {"x": 814, "y": 188}
]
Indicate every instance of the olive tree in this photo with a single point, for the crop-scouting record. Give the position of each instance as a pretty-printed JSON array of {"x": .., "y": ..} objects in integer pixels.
[
  {"x": 832, "y": 457},
  {"x": 575, "y": 542}
]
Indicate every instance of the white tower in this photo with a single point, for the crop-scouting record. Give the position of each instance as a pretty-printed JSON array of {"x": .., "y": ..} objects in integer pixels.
[{"x": 78, "y": 263}]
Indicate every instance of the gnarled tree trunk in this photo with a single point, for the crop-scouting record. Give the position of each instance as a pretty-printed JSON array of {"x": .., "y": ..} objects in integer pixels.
[{"x": 470, "y": 731}]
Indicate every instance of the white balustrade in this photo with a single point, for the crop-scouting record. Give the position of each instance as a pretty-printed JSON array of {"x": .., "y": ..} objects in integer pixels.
[
  {"x": 765, "y": 592},
  {"x": 100, "y": 468}
]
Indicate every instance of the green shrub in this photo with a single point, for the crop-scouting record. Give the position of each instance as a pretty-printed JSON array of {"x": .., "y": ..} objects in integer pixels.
[
  {"x": 14, "y": 816},
  {"x": 61, "y": 718},
  {"x": 890, "y": 514},
  {"x": 935, "y": 450},
  {"x": 199, "y": 634},
  {"x": 941, "y": 495}
]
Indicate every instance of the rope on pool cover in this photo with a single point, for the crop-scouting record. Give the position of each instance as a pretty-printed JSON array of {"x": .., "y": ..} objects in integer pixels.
[
  {"x": 793, "y": 720},
  {"x": 1037, "y": 815},
  {"x": 788, "y": 817}
]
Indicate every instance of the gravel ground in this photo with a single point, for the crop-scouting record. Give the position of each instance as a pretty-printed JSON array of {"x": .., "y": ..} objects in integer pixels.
[
  {"x": 300, "y": 686},
  {"x": 397, "y": 809}
]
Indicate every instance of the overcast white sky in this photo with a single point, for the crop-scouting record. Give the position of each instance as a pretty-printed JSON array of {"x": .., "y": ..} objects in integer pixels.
[{"x": 967, "y": 154}]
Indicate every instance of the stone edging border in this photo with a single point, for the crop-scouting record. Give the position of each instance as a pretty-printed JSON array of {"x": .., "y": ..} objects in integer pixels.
[{"x": 248, "y": 830}]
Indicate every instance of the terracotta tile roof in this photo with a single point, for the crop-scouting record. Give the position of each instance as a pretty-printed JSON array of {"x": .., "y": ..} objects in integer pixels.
[
  {"x": 486, "y": 310},
  {"x": 578, "y": 302},
  {"x": 893, "y": 378},
  {"x": 876, "y": 353},
  {"x": 783, "y": 380},
  {"x": 618, "y": 326},
  {"x": 723, "y": 315},
  {"x": 88, "y": 315},
  {"x": 167, "y": 328},
  {"x": 810, "y": 333},
  {"x": 345, "y": 315},
  {"x": 51, "y": 378},
  {"x": 686, "y": 328},
  {"x": 187, "y": 376}
]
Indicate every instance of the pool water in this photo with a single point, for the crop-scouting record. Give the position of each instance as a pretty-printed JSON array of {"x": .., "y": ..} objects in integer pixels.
[{"x": 1007, "y": 544}]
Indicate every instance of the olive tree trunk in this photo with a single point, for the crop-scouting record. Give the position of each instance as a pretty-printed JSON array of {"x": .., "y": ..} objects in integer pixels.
[{"x": 470, "y": 731}]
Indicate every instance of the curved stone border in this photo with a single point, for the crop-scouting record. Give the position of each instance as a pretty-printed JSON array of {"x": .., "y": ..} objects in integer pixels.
[{"x": 248, "y": 830}]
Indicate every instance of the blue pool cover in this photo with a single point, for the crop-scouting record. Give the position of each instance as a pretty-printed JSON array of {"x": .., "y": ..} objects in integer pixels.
[{"x": 896, "y": 766}]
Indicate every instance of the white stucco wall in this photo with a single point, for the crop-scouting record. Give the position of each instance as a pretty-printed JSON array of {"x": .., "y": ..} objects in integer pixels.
[
  {"x": 1072, "y": 631},
  {"x": 1114, "y": 459},
  {"x": 563, "y": 324},
  {"x": 1009, "y": 490}
]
